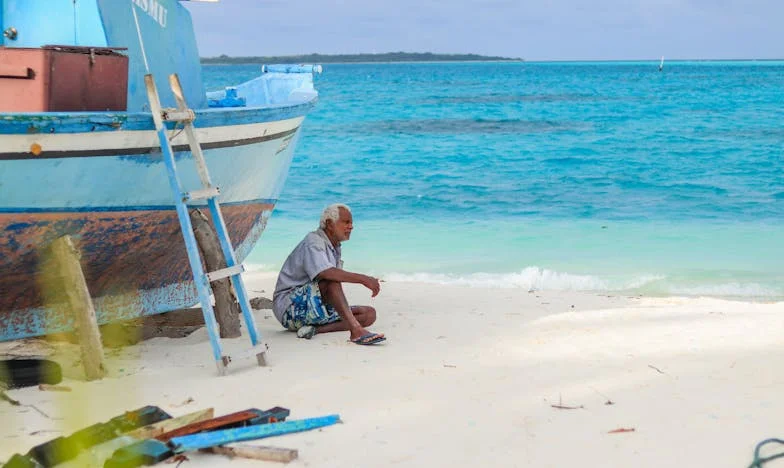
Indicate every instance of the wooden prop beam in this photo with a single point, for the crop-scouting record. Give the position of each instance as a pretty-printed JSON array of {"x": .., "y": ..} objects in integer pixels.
[
  {"x": 275, "y": 454},
  {"x": 65, "y": 259},
  {"x": 227, "y": 309}
]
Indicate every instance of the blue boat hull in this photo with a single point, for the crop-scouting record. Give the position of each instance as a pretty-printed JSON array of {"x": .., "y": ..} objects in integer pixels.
[{"x": 118, "y": 208}]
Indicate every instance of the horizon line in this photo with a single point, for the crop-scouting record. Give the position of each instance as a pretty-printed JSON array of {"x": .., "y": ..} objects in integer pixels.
[{"x": 491, "y": 58}]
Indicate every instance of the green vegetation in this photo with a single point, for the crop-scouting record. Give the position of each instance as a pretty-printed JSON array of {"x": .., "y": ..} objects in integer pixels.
[{"x": 357, "y": 58}]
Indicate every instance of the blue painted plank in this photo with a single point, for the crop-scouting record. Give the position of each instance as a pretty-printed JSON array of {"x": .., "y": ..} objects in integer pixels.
[{"x": 213, "y": 439}]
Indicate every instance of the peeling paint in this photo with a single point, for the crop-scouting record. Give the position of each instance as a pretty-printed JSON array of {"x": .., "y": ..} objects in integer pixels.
[{"x": 134, "y": 262}]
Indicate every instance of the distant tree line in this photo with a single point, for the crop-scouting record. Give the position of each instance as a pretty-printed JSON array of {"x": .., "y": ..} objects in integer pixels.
[{"x": 356, "y": 58}]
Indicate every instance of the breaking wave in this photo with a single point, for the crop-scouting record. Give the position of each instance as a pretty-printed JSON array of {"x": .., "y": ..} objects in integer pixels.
[
  {"x": 531, "y": 278},
  {"x": 535, "y": 278}
]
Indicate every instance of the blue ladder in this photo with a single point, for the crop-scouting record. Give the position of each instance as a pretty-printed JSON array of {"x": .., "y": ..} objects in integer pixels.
[{"x": 182, "y": 114}]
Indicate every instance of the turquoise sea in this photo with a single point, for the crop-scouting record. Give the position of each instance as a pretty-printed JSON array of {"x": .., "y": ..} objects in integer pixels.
[{"x": 610, "y": 176}]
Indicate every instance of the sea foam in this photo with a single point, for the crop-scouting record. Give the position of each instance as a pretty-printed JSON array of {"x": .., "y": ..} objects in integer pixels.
[{"x": 531, "y": 278}]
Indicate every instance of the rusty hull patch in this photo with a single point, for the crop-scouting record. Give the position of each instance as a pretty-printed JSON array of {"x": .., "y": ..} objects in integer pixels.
[{"x": 134, "y": 262}]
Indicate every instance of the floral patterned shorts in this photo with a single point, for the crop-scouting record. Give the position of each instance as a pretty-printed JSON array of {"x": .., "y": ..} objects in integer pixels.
[{"x": 307, "y": 308}]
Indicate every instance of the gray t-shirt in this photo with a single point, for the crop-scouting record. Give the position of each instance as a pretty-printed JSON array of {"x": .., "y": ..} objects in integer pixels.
[{"x": 309, "y": 258}]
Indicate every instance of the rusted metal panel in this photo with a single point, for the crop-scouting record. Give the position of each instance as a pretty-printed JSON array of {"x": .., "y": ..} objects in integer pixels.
[
  {"x": 134, "y": 263},
  {"x": 88, "y": 81},
  {"x": 53, "y": 79}
]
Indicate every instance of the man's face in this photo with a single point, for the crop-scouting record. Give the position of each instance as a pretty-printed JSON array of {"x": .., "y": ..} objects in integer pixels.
[{"x": 341, "y": 229}]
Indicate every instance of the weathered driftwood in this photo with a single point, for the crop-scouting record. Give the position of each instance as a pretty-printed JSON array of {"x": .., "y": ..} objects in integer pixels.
[
  {"x": 253, "y": 452},
  {"x": 227, "y": 309},
  {"x": 68, "y": 278}
]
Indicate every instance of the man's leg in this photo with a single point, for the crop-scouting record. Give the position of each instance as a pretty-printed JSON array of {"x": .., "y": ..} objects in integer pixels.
[
  {"x": 366, "y": 316},
  {"x": 353, "y": 319}
]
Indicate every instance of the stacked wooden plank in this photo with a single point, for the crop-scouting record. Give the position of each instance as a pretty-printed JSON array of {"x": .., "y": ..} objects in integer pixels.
[{"x": 149, "y": 435}]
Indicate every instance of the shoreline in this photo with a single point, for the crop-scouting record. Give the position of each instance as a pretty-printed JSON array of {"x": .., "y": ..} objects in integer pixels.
[
  {"x": 468, "y": 376},
  {"x": 500, "y": 281}
]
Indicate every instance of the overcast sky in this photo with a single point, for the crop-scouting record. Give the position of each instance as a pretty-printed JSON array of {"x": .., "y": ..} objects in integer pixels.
[{"x": 528, "y": 29}]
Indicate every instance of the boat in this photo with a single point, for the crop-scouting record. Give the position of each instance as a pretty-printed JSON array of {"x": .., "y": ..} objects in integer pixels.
[{"x": 79, "y": 154}]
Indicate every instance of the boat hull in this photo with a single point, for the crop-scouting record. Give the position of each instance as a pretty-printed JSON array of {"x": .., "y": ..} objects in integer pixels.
[
  {"x": 134, "y": 263},
  {"x": 108, "y": 190}
]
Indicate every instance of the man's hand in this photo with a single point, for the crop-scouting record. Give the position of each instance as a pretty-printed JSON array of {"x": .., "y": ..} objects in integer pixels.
[
  {"x": 343, "y": 276},
  {"x": 372, "y": 284}
]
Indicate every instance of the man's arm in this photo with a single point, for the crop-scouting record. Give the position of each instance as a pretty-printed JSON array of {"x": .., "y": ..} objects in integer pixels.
[{"x": 343, "y": 276}]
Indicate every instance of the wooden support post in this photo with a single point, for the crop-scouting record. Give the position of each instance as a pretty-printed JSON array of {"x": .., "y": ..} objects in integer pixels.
[
  {"x": 65, "y": 258},
  {"x": 227, "y": 309},
  {"x": 253, "y": 452}
]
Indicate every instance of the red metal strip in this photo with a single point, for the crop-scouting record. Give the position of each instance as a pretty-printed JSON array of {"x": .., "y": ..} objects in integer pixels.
[{"x": 209, "y": 425}]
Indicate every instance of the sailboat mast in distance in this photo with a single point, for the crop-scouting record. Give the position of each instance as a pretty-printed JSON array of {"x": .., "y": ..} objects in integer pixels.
[{"x": 661, "y": 64}]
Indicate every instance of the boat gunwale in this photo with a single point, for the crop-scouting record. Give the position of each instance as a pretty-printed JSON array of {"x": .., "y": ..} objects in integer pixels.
[{"x": 108, "y": 121}]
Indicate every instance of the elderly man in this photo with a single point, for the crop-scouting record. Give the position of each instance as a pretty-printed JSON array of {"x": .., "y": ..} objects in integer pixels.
[{"x": 309, "y": 296}]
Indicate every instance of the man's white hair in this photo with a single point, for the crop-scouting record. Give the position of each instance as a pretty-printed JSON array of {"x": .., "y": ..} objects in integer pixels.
[{"x": 332, "y": 212}]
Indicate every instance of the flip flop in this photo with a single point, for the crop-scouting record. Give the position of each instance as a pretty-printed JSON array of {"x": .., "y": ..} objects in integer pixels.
[{"x": 369, "y": 339}]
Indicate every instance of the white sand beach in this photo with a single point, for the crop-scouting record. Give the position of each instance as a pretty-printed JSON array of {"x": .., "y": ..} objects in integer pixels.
[{"x": 469, "y": 377}]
